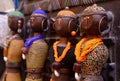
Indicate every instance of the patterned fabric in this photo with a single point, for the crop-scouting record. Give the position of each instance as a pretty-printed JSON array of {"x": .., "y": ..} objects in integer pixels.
[
  {"x": 89, "y": 46},
  {"x": 94, "y": 63},
  {"x": 92, "y": 78}
]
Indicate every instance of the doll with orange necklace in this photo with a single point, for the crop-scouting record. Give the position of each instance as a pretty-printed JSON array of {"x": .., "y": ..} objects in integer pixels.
[
  {"x": 61, "y": 54},
  {"x": 91, "y": 53}
]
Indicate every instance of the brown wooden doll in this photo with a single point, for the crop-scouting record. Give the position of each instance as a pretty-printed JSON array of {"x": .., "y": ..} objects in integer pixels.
[
  {"x": 13, "y": 49},
  {"x": 91, "y": 53},
  {"x": 35, "y": 48},
  {"x": 61, "y": 54}
]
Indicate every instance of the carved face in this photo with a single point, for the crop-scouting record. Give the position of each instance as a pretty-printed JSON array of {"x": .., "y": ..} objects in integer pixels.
[
  {"x": 64, "y": 25},
  {"x": 93, "y": 24},
  {"x": 38, "y": 23},
  {"x": 15, "y": 22}
]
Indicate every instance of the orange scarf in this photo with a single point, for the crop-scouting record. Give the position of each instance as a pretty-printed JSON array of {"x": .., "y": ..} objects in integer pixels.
[
  {"x": 58, "y": 59},
  {"x": 81, "y": 54}
]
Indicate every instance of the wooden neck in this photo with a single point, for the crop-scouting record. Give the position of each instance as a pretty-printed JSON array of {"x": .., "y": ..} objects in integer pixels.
[
  {"x": 36, "y": 34},
  {"x": 63, "y": 41}
]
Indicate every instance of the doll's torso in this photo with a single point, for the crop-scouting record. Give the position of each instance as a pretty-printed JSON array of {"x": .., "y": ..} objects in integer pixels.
[
  {"x": 14, "y": 50},
  {"x": 91, "y": 68},
  {"x": 69, "y": 59},
  {"x": 35, "y": 60},
  {"x": 37, "y": 54},
  {"x": 14, "y": 56},
  {"x": 66, "y": 69}
]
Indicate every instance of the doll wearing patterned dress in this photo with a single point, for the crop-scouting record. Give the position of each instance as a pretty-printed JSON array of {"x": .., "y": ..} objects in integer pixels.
[{"x": 91, "y": 53}]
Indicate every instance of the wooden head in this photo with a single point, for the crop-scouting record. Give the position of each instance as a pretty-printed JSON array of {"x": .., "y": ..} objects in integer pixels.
[
  {"x": 94, "y": 20},
  {"x": 65, "y": 22},
  {"x": 15, "y": 21},
  {"x": 38, "y": 21}
]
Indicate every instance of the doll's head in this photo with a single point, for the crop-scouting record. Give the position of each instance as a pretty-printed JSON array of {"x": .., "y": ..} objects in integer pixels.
[
  {"x": 38, "y": 21},
  {"x": 15, "y": 21},
  {"x": 94, "y": 20},
  {"x": 65, "y": 23}
]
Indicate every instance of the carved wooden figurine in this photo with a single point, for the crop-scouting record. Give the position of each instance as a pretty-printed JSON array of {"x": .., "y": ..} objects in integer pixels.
[
  {"x": 35, "y": 48},
  {"x": 61, "y": 54},
  {"x": 91, "y": 53},
  {"x": 13, "y": 48}
]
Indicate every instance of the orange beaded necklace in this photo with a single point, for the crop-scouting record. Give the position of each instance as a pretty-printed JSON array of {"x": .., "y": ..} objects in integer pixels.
[
  {"x": 58, "y": 59},
  {"x": 81, "y": 54}
]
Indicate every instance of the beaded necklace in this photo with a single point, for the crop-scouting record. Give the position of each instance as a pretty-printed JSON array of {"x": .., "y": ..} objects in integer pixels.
[
  {"x": 81, "y": 54},
  {"x": 58, "y": 59}
]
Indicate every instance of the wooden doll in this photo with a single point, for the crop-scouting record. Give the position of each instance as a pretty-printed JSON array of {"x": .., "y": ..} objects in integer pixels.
[
  {"x": 91, "y": 53},
  {"x": 61, "y": 54},
  {"x": 13, "y": 47},
  {"x": 35, "y": 48}
]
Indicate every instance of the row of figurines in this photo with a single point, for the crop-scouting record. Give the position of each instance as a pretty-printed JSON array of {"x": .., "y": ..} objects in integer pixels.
[
  {"x": 71, "y": 24},
  {"x": 90, "y": 53}
]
